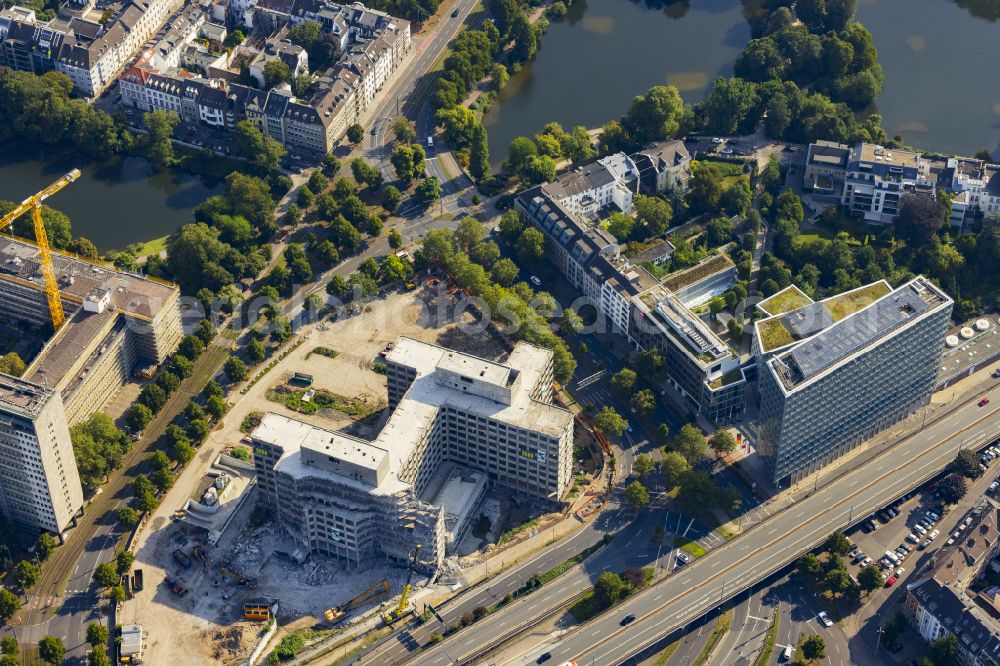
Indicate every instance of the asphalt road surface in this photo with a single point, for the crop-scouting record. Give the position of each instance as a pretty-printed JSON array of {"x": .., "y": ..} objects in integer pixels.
[{"x": 772, "y": 544}]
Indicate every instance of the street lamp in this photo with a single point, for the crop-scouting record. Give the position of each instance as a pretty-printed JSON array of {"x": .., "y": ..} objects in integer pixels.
[{"x": 878, "y": 640}]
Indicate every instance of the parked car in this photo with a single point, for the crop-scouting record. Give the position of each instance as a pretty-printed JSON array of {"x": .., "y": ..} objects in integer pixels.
[
  {"x": 996, "y": 373},
  {"x": 890, "y": 581},
  {"x": 535, "y": 281},
  {"x": 913, "y": 538},
  {"x": 899, "y": 572},
  {"x": 865, "y": 562}
]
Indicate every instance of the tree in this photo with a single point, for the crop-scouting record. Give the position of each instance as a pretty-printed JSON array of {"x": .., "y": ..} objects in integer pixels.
[
  {"x": 468, "y": 233},
  {"x": 813, "y": 647},
  {"x": 837, "y": 580},
  {"x": 570, "y": 322},
  {"x": 105, "y": 575},
  {"x": 511, "y": 225},
  {"x": 26, "y": 573},
  {"x": 674, "y": 466},
  {"x": 838, "y": 544},
  {"x": 952, "y": 488},
  {"x": 654, "y": 116},
  {"x": 159, "y": 130},
  {"x": 181, "y": 366},
  {"x": 216, "y": 406},
  {"x": 235, "y": 369},
  {"x": 394, "y": 269},
  {"x": 337, "y": 286},
  {"x": 402, "y": 160},
  {"x": 355, "y": 134},
  {"x": 252, "y": 145},
  {"x": 8, "y": 645},
  {"x": 690, "y": 443},
  {"x": 919, "y": 218},
  {"x": 610, "y": 422},
  {"x": 636, "y": 495},
  {"x": 11, "y": 364},
  {"x": 623, "y": 381},
  {"x": 504, "y": 272},
  {"x": 127, "y": 516},
  {"x": 644, "y": 465},
  {"x": 705, "y": 188},
  {"x": 870, "y": 578},
  {"x": 428, "y": 191},
  {"x": 519, "y": 151},
  {"x": 276, "y": 72},
  {"x": 98, "y": 657},
  {"x": 9, "y": 604},
  {"x": 610, "y": 589},
  {"x": 97, "y": 634},
  {"x": 643, "y": 402},
  {"x": 530, "y": 246},
  {"x": 808, "y": 566},
  {"x": 404, "y": 130},
  {"x": 697, "y": 491},
  {"x": 51, "y": 650},
  {"x": 163, "y": 479},
  {"x": 479, "y": 153},
  {"x": 44, "y": 546},
  {"x": 118, "y": 594},
  {"x": 967, "y": 464},
  {"x": 722, "y": 442},
  {"x": 391, "y": 198},
  {"x": 944, "y": 650},
  {"x": 256, "y": 351}
]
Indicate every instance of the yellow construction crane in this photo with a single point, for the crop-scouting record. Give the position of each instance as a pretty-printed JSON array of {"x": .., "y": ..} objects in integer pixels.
[{"x": 34, "y": 204}]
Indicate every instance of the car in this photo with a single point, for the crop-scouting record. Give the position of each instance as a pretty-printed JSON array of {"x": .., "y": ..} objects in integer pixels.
[
  {"x": 786, "y": 654},
  {"x": 825, "y": 619},
  {"x": 682, "y": 558},
  {"x": 629, "y": 428},
  {"x": 913, "y": 538},
  {"x": 865, "y": 562},
  {"x": 628, "y": 619},
  {"x": 993, "y": 487},
  {"x": 984, "y": 402},
  {"x": 890, "y": 581},
  {"x": 726, "y": 151},
  {"x": 716, "y": 139},
  {"x": 902, "y": 553},
  {"x": 894, "y": 647},
  {"x": 866, "y": 527},
  {"x": 905, "y": 547},
  {"x": 543, "y": 657},
  {"x": 926, "y": 543},
  {"x": 900, "y": 571},
  {"x": 934, "y": 516},
  {"x": 996, "y": 374},
  {"x": 933, "y": 534},
  {"x": 535, "y": 281},
  {"x": 454, "y": 14},
  {"x": 919, "y": 529},
  {"x": 858, "y": 557},
  {"x": 854, "y": 548}
]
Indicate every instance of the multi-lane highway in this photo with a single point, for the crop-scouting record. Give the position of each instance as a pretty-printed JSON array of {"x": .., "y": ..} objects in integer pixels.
[{"x": 772, "y": 544}]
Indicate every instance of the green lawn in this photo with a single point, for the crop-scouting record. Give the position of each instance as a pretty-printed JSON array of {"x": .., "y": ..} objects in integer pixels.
[
  {"x": 154, "y": 246},
  {"x": 693, "y": 548}
]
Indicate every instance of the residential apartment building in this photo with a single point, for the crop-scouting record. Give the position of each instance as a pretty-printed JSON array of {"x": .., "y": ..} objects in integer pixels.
[
  {"x": 458, "y": 425},
  {"x": 91, "y": 54},
  {"x": 837, "y": 372},
  {"x": 114, "y": 320},
  {"x": 610, "y": 183},
  {"x": 869, "y": 180},
  {"x": 375, "y": 45},
  {"x": 39, "y": 486},
  {"x": 942, "y": 603}
]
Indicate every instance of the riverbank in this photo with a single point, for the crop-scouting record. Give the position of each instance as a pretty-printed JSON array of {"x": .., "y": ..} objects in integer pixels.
[{"x": 117, "y": 201}]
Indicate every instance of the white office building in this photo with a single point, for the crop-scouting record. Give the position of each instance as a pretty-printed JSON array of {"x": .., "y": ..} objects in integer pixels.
[{"x": 39, "y": 485}]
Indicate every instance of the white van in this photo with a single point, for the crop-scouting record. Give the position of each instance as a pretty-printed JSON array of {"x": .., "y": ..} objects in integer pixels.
[
  {"x": 786, "y": 654},
  {"x": 430, "y": 142},
  {"x": 919, "y": 530},
  {"x": 892, "y": 557}
]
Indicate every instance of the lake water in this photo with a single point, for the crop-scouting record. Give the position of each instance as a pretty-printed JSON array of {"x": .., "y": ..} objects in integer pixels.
[
  {"x": 114, "y": 203},
  {"x": 593, "y": 61},
  {"x": 940, "y": 57}
]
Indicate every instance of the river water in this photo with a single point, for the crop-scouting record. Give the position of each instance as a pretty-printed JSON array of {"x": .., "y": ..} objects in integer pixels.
[
  {"x": 940, "y": 58},
  {"x": 115, "y": 202}
]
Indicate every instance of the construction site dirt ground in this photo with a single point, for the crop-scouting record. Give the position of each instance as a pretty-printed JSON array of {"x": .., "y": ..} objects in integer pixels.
[{"x": 206, "y": 626}]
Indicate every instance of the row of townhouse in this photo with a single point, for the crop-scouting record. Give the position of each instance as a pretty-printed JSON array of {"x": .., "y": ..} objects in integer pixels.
[
  {"x": 315, "y": 123},
  {"x": 91, "y": 54},
  {"x": 870, "y": 179}
]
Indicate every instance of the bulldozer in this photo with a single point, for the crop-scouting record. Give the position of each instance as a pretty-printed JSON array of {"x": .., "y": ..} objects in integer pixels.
[
  {"x": 374, "y": 593},
  {"x": 242, "y": 580},
  {"x": 403, "y": 609}
]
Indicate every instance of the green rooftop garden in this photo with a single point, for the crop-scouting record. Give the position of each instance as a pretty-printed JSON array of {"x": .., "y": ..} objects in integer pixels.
[
  {"x": 850, "y": 302},
  {"x": 786, "y": 300},
  {"x": 773, "y": 334},
  {"x": 726, "y": 379}
]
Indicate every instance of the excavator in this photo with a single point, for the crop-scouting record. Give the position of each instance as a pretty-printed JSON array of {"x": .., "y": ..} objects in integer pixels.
[
  {"x": 34, "y": 205},
  {"x": 374, "y": 593},
  {"x": 242, "y": 580},
  {"x": 403, "y": 609}
]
